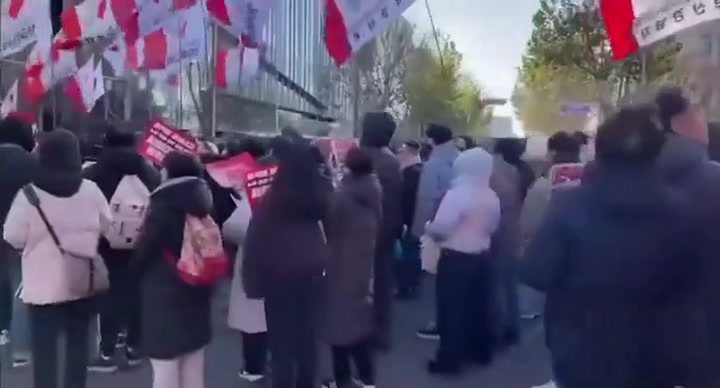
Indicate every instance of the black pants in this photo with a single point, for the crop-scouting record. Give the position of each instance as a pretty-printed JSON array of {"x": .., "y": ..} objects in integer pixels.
[
  {"x": 47, "y": 324},
  {"x": 255, "y": 352},
  {"x": 361, "y": 355},
  {"x": 8, "y": 263},
  {"x": 464, "y": 299},
  {"x": 409, "y": 267},
  {"x": 384, "y": 289},
  {"x": 291, "y": 314},
  {"x": 120, "y": 307}
]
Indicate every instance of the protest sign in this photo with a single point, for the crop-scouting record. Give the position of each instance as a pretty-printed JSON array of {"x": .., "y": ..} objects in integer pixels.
[
  {"x": 566, "y": 174},
  {"x": 335, "y": 151},
  {"x": 257, "y": 182},
  {"x": 230, "y": 173},
  {"x": 161, "y": 139}
]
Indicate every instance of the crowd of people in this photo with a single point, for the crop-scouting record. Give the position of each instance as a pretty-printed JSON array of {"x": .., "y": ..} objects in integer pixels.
[{"x": 621, "y": 259}]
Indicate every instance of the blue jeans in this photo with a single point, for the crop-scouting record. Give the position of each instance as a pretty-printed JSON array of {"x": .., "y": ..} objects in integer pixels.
[{"x": 409, "y": 268}]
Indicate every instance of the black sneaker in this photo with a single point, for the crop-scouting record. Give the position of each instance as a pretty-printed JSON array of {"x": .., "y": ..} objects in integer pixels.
[
  {"x": 103, "y": 364},
  {"x": 250, "y": 377},
  {"x": 429, "y": 333},
  {"x": 20, "y": 361},
  {"x": 134, "y": 358}
]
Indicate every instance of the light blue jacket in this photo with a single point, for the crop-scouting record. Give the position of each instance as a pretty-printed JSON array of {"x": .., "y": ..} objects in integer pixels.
[{"x": 435, "y": 180}]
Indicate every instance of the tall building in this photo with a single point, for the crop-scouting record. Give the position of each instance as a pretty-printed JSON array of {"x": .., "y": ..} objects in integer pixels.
[{"x": 297, "y": 53}]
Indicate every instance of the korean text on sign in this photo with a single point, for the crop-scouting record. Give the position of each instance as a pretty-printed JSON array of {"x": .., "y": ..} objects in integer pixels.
[
  {"x": 161, "y": 139},
  {"x": 258, "y": 182},
  {"x": 662, "y": 23}
]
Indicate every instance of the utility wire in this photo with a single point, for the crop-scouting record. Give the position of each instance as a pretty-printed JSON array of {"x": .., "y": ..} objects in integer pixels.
[{"x": 435, "y": 34}]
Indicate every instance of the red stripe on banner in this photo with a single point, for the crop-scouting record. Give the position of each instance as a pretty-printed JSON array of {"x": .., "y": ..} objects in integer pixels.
[
  {"x": 221, "y": 80},
  {"x": 15, "y": 7},
  {"x": 619, "y": 17},
  {"x": 218, "y": 9},
  {"x": 127, "y": 17},
  {"x": 72, "y": 28},
  {"x": 155, "y": 51},
  {"x": 336, "y": 34},
  {"x": 74, "y": 93},
  {"x": 183, "y": 4}
]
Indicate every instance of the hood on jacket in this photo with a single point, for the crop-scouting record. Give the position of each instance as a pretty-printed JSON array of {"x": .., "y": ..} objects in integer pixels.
[
  {"x": 364, "y": 190},
  {"x": 116, "y": 162},
  {"x": 378, "y": 128},
  {"x": 60, "y": 172},
  {"x": 189, "y": 195},
  {"x": 473, "y": 166},
  {"x": 16, "y": 131}
]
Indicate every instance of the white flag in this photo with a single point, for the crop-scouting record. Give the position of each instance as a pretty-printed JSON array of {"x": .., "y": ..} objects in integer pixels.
[
  {"x": 87, "y": 85},
  {"x": 9, "y": 104},
  {"x": 116, "y": 57},
  {"x": 23, "y": 22}
]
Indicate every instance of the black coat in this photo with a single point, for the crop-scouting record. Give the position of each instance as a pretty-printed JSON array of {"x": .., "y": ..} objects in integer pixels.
[
  {"x": 410, "y": 181},
  {"x": 175, "y": 316},
  {"x": 112, "y": 166}
]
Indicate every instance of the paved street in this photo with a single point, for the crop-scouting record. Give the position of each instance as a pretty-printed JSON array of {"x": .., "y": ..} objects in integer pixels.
[{"x": 521, "y": 367}]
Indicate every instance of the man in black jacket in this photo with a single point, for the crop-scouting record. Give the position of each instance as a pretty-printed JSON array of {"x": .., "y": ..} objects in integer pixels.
[
  {"x": 120, "y": 310},
  {"x": 378, "y": 130},
  {"x": 18, "y": 168},
  {"x": 409, "y": 268}
]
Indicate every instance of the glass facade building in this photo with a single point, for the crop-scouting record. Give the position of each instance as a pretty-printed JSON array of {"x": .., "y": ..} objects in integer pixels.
[{"x": 294, "y": 35}]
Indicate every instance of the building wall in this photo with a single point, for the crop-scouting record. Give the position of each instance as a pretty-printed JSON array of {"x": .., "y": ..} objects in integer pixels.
[{"x": 294, "y": 36}]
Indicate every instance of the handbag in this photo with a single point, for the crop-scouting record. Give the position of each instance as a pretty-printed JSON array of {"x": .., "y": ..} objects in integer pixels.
[{"x": 85, "y": 275}]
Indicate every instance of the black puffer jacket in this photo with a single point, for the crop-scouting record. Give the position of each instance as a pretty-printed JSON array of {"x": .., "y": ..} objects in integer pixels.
[{"x": 175, "y": 316}]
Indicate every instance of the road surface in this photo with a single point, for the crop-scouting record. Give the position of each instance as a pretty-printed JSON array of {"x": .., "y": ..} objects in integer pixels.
[{"x": 521, "y": 367}]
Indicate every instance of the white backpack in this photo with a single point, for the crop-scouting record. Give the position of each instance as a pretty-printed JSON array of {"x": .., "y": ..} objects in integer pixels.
[{"x": 128, "y": 206}]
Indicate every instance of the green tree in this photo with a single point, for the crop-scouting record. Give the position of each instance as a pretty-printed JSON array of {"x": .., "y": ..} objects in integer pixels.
[
  {"x": 438, "y": 91},
  {"x": 568, "y": 58}
]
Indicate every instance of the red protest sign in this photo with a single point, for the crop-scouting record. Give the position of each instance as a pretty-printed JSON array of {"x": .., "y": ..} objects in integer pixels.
[
  {"x": 567, "y": 174},
  {"x": 161, "y": 139},
  {"x": 257, "y": 182},
  {"x": 230, "y": 173}
]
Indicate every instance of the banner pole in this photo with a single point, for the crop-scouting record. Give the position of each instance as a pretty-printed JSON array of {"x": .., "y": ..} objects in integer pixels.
[{"x": 212, "y": 83}]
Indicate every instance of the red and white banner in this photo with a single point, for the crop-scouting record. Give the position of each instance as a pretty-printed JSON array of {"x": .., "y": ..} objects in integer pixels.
[
  {"x": 87, "y": 86},
  {"x": 9, "y": 104},
  {"x": 350, "y": 24},
  {"x": 154, "y": 14},
  {"x": 230, "y": 173},
  {"x": 237, "y": 66},
  {"x": 257, "y": 183},
  {"x": 87, "y": 20},
  {"x": 116, "y": 57},
  {"x": 45, "y": 68},
  {"x": 161, "y": 139},
  {"x": 181, "y": 38},
  {"x": 243, "y": 17},
  {"x": 24, "y": 22},
  {"x": 632, "y": 24}
]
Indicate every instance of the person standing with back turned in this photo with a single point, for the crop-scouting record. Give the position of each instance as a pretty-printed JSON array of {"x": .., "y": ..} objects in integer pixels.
[{"x": 126, "y": 180}]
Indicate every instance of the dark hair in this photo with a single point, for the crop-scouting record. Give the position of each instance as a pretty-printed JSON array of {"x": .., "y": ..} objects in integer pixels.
[
  {"x": 252, "y": 146},
  {"x": 565, "y": 146},
  {"x": 670, "y": 101},
  {"x": 439, "y": 134},
  {"x": 413, "y": 144},
  {"x": 179, "y": 164},
  {"x": 359, "y": 162},
  {"x": 115, "y": 137},
  {"x": 630, "y": 136},
  {"x": 298, "y": 189},
  {"x": 378, "y": 128},
  {"x": 510, "y": 148},
  {"x": 581, "y": 137},
  {"x": 18, "y": 132},
  {"x": 470, "y": 143},
  {"x": 59, "y": 150}
]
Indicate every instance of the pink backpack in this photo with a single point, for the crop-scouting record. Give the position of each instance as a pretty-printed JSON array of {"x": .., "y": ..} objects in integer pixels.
[{"x": 202, "y": 260}]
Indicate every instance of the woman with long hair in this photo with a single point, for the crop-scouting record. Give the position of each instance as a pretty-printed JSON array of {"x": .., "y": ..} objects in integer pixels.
[{"x": 285, "y": 254}]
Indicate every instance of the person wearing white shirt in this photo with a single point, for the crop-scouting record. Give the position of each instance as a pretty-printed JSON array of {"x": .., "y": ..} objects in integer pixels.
[{"x": 463, "y": 226}]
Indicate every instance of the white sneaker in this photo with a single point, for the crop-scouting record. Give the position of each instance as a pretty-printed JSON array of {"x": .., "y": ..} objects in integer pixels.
[
  {"x": 250, "y": 377},
  {"x": 549, "y": 384}
]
